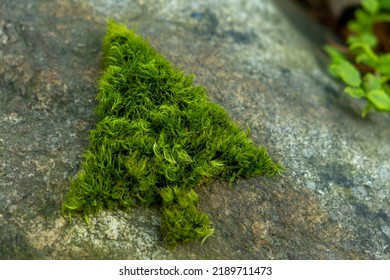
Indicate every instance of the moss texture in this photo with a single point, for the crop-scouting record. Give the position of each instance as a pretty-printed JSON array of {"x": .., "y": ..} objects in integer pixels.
[{"x": 158, "y": 137}]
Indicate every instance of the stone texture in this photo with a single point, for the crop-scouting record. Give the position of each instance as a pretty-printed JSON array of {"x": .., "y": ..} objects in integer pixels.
[{"x": 331, "y": 202}]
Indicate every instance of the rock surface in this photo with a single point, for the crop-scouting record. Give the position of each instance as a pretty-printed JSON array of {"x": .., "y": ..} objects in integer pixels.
[{"x": 331, "y": 202}]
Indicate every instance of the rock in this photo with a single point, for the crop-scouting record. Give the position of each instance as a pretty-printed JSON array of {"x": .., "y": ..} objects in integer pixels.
[{"x": 331, "y": 202}]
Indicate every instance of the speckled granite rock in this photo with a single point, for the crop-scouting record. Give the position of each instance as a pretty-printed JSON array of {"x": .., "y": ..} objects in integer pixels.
[{"x": 332, "y": 201}]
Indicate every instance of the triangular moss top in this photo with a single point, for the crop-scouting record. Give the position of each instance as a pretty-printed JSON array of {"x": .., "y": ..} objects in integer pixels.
[{"x": 157, "y": 137}]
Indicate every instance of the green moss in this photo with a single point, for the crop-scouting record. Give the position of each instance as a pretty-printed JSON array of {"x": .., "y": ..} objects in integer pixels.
[{"x": 158, "y": 136}]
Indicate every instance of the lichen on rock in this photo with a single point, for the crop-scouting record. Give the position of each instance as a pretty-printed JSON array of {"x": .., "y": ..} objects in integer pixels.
[{"x": 158, "y": 137}]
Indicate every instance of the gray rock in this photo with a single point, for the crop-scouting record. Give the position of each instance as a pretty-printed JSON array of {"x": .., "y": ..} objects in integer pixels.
[{"x": 331, "y": 202}]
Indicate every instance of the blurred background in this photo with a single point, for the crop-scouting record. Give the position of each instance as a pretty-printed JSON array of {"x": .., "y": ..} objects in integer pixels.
[{"x": 335, "y": 15}]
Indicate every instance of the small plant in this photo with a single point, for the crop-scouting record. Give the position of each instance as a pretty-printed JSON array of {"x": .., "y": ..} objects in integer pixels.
[
  {"x": 158, "y": 137},
  {"x": 363, "y": 68}
]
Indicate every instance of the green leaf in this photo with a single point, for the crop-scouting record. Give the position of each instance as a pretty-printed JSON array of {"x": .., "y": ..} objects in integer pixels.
[
  {"x": 347, "y": 72},
  {"x": 382, "y": 17},
  {"x": 364, "y": 54},
  {"x": 371, "y": 6},
  {"x": 334, "y": 53},
  {"x": 354, "y": 26},
  {"x": 384, "y": 64},
  {"x": 368, "y": 39},
  {"x": 355, "y": 92},
  {"x": 365, "y": 59},
  {"x": 379, "y": 99},
  {"x": 384, "y": 4},
  {"x": 371, "y": 82},
  {"x": 364, "y": 20},
  {"x": 366, "y": 110}
]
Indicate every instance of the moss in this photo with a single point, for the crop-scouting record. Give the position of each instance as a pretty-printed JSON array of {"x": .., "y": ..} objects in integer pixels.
[{"x": 157, "y": 137}]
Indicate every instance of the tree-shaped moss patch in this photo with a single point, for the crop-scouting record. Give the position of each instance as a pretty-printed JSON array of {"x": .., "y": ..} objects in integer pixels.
[{"x": 158, "y": 137}]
